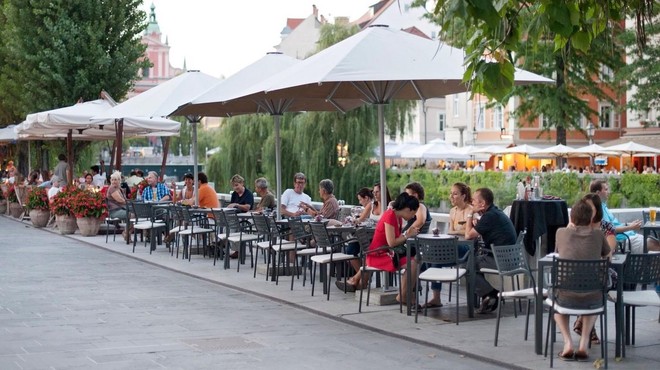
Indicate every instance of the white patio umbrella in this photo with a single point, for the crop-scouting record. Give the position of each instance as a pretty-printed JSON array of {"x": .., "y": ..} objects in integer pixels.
[
  {"x": 592, "y": 150},
  {"x": 376, "y": 65},
  {"x": 162, "y": 100},
  {"x": 435, "y": 149},
  {"x": 8, "y": 134},
  {"x": 63, "y": 122},
  {"x": 559, "y": 150},
  {"x": 220, "y": 100},
  {"x": 632, "y": 148},
  {"x": 521, "y": 149}
]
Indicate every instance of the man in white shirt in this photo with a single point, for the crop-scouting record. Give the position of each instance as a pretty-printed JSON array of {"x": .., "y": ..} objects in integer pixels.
[
  {"x": 292, "y": 198},
  {"x": 98, "y": 178}
]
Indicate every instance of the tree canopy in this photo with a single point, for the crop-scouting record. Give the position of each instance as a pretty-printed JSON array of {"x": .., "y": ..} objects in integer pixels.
[
  {"x": 54, "y": 52},
  {"x": 498, "y": 30}
]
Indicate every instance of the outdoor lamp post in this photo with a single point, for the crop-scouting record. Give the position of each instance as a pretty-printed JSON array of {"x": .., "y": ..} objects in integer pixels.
[
  {"x": 591, "y": 130},
  {"x": 474, "y": 135},
  {"x": 342, "y": 153}
]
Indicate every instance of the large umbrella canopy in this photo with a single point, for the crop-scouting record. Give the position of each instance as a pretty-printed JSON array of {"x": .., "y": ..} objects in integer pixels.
[
  {"x": 8, "y": 134},
  {"x": 520, "y": 149},
  {"x": 394, "y": 150},
  {"x": 592, "y": 150},
  {"x": 78, "y": 117},
  {"x": 214, "y": 101},
  {"x": 632, "y": 148},
  {"x": 376, "y": 65},
  {"x": 435, "y": 149},
  {"x": 559, "y": 150},
  {"x": 162, "y": 100},
  {"x": 490, "y": 149}
]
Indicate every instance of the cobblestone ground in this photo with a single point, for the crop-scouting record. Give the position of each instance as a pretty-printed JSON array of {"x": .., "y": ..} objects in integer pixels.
[{"x": 65, "y": 304}]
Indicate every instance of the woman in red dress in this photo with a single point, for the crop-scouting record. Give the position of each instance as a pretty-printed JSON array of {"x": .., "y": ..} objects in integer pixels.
[{"x": 388, "y": 234}]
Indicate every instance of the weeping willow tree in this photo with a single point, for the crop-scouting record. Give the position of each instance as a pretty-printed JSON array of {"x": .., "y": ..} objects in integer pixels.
[{"x": 309, "y": 142}]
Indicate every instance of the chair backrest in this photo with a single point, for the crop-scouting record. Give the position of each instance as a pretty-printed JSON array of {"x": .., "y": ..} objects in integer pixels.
[
  {"x": 579, "y": 276},
  {"x": 298, "y": 229},
  {"x": 320, "y": 234},
  {"x": 364, "y": 236},
  {"x": 426, "y": 227},
  {"x": 261, "y": 224},
  {"x": 343, "y": 213},
  {"x": 232, "y": 222},
  {"x": 642, "y": 269},
  {"x": 142, "y": 210},
  {"x": 646, "y": 217},
  {"x": 437, "y": 250}
]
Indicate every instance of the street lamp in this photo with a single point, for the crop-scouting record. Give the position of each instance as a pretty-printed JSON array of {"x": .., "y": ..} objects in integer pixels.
[
  {"x": 342, "y": 153},
  {"x": 474, "y": 135},
  {"x": 591, "y": 130}
]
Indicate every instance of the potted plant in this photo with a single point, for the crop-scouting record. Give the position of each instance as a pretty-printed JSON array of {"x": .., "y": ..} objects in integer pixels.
[
  {"x": 89, "y": 208},
  {"x": 136, "y": 190},
  {"x": 3, "y": 201},
  {"x": 37, "y": 203},
  {"x": 15, "y": 208},
  {"x": 61, "y": 206}
]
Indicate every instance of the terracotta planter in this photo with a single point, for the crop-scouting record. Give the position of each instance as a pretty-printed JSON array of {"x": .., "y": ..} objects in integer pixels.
[
  {"x": 3, "y": 207},
  {"x": 39, "y": 217},
  {"x": 15, "y": 210},
  {"x": 88, "y": 226},
  {"x": 66, "y": 224}
]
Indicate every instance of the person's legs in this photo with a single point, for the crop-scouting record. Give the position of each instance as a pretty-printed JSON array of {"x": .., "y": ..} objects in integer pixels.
[
  {"x": 585, "y": 338},
  {"x": 404, "y": 282},
  {"x": 637, "y": 244},
  {"x": 562, "y": 323},
  {"x": 653, "y": 244}
]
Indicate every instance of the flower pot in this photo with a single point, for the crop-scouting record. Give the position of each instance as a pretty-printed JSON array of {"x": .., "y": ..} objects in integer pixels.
[
  {"x": 88, "y": 226},
  {"x": 15, "y": 210},
  {"x": 39, "y": 217},
  {"x": 66, "y": 224},
  {"x": 3, "y": 207}
]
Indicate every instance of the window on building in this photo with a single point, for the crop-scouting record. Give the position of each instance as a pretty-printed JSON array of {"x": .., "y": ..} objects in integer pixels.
[
  {"x": 455, "y": 105},
  {"x": 606, "y": 119},
  {"x": 544, "y": 120},
  {"x": 145, "y": 72},
  {"x": 606, "y": 73},
  {"x": 498, "y": 117},
  {"x": 441, "y": 122},
  {"x": 481, "y": 112}
]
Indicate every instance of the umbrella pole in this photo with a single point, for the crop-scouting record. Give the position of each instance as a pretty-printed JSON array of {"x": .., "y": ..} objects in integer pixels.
[
  {"x": 69, "y": 156},
  {"x": 383, "y": 175},
  {"x": 166, "y": 149},
  {"x": 194, "y": 154},
  {"x": 278, "y": 162},
  {"x": 118, "y": 144}
]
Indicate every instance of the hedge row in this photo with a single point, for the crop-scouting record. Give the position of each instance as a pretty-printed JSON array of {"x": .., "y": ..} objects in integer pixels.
[{"x": 628, "y": 190}]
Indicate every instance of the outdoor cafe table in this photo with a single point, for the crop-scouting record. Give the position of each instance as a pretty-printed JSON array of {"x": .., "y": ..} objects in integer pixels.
[
  {"x": 539, "y": 217},
  {"x": 617, "y": 263},
  {"x": 471, "y": 267},
  {"x": 647, "y": 228}
]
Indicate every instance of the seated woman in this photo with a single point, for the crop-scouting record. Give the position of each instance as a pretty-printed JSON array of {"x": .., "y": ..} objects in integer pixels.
[
  {"x": 579, "y": 241},
  {"x": 187, "y": 192},
  {"x": 461, "y": 212},
  {"x": 597, "y": 223},
  {"x": 376, "y": 209},
  {"x": 365, "y": 198},
  {"x": 116, "y": 199},
  {"x": 388, "y": 235}
]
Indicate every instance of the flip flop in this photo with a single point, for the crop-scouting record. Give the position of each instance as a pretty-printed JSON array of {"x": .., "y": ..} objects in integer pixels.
[
  {"x": 342, "y": 285},
  {"x": 582, "y": 356},
  {"x": 432, "y": 305},
  {"x": 568, "y": 356}
]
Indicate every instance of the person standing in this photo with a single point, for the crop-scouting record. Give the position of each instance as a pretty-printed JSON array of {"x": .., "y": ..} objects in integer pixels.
[
  {"x": 495, "y": 228},
  {"x": 242, "y": 198},
  {"x": 61, "y": 169},
  {"x": 292, "y": 198}
]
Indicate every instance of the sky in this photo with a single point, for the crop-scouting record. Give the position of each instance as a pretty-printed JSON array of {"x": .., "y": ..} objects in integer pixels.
[{"x": 219, "y": 37}]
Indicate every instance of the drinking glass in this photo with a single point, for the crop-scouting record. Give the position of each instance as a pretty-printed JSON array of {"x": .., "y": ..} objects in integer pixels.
[{"x": 652, "y": 211}]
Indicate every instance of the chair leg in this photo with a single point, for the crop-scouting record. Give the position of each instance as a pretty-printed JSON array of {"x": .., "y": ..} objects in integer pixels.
[
  {"x": 313, "y": 277},
  {"x": 529, "y": 305},
  {"x": 497, "y": 322}
]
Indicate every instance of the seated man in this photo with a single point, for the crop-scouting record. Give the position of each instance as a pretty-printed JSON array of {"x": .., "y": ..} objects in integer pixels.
[
  {"x": 293, "y": 200},
  {"x": 267, "y": 198},
  {"x": 496, "y": 229},
  {"x": 623, "y": 232},
  {"x": 156, "y": 191},
  {"x": 242, "y": 198}
]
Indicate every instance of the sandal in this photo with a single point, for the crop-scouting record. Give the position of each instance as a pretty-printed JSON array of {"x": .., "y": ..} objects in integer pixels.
[
  {"x": 577, "y": 327},
  {"x": 581, "y": 356},
  {"x": 567, "y": 356},
  {"x": 594, "y": 337}
]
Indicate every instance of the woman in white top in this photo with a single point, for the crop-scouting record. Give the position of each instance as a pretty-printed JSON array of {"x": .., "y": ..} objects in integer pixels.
[
  {"x": 376, "y": 209},
  {"x": 365, "y": 198}
]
